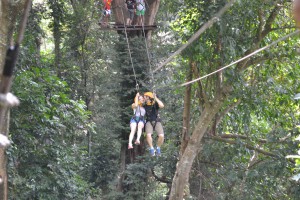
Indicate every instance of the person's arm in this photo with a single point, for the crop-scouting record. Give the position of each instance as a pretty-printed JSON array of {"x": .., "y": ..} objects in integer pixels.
[
  {"x": 159, "y": 102},
  {"x": 136, "y": 101}
]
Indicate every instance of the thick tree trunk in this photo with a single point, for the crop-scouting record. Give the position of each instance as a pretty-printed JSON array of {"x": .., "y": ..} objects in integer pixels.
[
  {"x": 184, "y": 165},
  {"x": 119, "y": 11}
]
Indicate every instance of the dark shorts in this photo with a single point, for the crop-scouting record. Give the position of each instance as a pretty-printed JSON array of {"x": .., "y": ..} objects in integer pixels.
[{"x": 131, "y": 13}]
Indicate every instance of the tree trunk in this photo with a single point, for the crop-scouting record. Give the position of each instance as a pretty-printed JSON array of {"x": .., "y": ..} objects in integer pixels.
[
  {"x": 186, "y": 112},
  {"x": 56, "y": 14},
  {"x": 57, "y": 41},
  {"x": 184, "y": 165},
  {"x": 8, "y": 11}
]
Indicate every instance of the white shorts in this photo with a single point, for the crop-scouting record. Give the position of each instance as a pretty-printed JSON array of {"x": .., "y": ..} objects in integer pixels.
[{"x": 107, "y": 12}]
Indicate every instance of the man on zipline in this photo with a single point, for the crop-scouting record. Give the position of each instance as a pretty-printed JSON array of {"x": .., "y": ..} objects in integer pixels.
[{"x": 152, "y": 105}]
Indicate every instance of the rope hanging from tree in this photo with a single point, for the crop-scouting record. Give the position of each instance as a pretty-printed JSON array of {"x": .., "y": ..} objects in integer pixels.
[
  {"x": 148, "y": 56},
  {"x": 129, "y": 51}
]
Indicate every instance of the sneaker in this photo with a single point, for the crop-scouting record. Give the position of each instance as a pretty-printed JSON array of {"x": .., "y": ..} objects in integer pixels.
[
  {"x": 152, "y": 153},
  {"x": 158, "y": 153}
]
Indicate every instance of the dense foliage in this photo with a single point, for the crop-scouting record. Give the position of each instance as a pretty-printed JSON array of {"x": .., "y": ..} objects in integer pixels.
[{"x": 76, "y": 84}]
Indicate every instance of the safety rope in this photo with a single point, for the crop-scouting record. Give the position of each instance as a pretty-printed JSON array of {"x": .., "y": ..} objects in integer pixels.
[
  {"x": 129, "y": 51},
  {"x": 245, "y": 57},
  {"x": 148, "y": 56}
]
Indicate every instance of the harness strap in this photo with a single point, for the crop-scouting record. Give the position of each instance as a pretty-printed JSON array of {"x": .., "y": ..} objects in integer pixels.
[
  {"x": 154, "y": 124},
  {"x": 140, "y": 117},
  {"x": 156, "y": 116}
]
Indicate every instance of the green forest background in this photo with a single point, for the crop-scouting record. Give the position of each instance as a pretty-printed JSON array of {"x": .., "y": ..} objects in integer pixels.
[{"x": 76, "y": 85}]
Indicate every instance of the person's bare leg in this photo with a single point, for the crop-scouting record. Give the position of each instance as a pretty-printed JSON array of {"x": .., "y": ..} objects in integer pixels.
[
  {"x": 160, "y": 140},
  {"x": 106, "y": 21},
  {"x": 139, "y": 132},
  {"x": 142, "y": 20},
  {"x": 149, "y": 140},
  {"x": 132, "y": 132}
]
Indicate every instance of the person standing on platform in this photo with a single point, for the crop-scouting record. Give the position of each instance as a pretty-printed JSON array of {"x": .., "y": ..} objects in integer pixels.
[
  {"x": 106, "y": 13},
  {"x": 131, "y": 11},
  {"x": 140, "y": 12}
]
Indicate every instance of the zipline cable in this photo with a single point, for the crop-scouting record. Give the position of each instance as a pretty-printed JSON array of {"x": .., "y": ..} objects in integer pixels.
[
  {"x": 241, "y": 59},
  {"x": 197, "y": 34},
  {"x": 129, "y": 51}
]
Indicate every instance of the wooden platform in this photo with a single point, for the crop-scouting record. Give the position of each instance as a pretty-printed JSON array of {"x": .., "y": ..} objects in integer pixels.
[{"x": 121, "y": 27}]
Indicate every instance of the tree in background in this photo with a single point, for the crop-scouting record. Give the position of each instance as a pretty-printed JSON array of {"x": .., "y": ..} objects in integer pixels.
[
  {"x": 70, "y": 135},
  {"x": 221, "y": 94}
]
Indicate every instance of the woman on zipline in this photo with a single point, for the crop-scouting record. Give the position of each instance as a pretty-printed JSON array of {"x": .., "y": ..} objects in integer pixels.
[{"x": 137, "y": 120}]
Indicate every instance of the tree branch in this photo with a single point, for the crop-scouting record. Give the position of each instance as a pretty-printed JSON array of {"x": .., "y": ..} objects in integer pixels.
[
  {"x": 202, "y": 94},
  {"x": 162, "y": 179},
  {"x": 217, "y": 138},
  {"x": 226, "y": 111},
  {"x": 264, "y": 141},
  {"x": 270, "y": 20},
  {"x": 259, "y": 37}
]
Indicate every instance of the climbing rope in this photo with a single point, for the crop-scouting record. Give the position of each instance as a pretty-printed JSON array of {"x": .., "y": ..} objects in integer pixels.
[{"x": 129, "y": 51}]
